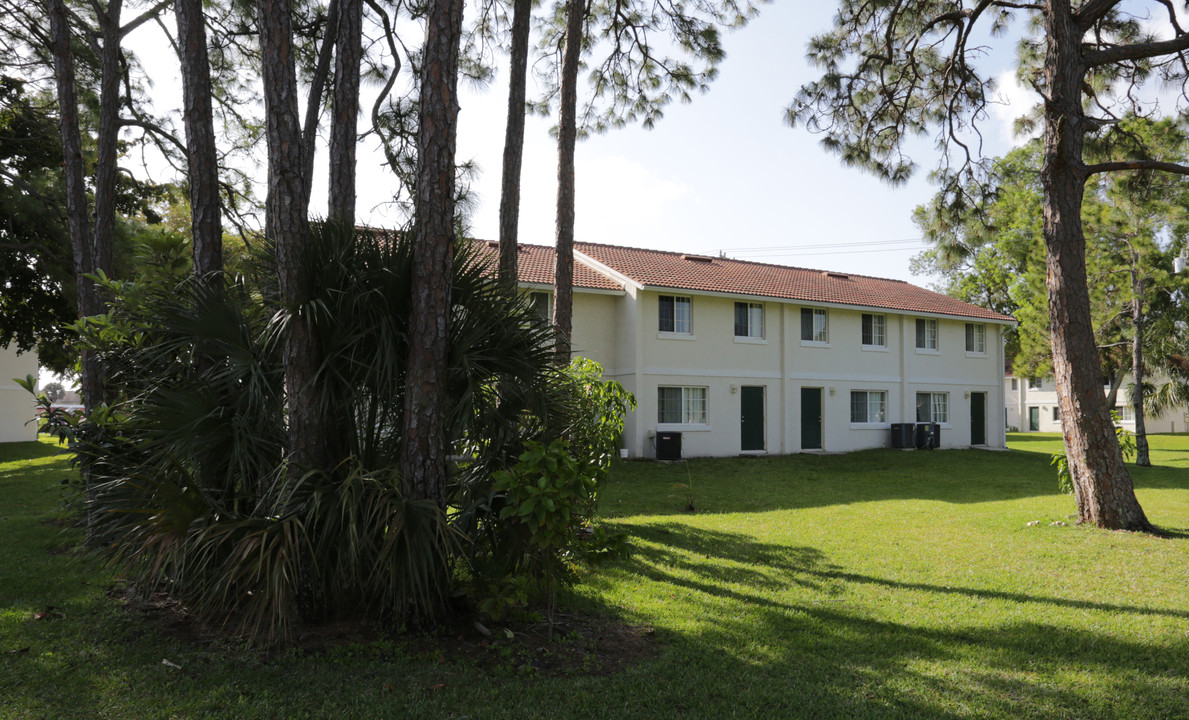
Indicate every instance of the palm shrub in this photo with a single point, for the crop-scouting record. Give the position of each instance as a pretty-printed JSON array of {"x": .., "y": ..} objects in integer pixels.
[{"x": 191, "y": 493}]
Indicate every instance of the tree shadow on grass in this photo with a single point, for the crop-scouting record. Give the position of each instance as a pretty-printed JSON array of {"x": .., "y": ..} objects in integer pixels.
[{"x": 811, "y": 653}]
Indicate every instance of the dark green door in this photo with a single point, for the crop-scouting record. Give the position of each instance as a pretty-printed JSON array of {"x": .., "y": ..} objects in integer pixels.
[
  {"x": 978, "y": 418},
  {"x": 811, "y": 418},
  {"x": 1034, "y": 419},
  {"x": 751, "y": 418}
]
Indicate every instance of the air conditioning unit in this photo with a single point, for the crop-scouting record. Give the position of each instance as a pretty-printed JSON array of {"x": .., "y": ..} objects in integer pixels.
[{"x": 668, "y": 445}]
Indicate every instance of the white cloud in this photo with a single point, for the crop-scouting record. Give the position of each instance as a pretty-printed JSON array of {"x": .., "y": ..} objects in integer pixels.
[{"x": 1010, "y": 100}]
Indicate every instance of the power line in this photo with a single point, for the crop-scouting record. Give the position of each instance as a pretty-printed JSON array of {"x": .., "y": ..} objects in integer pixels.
[
  {"x": 825, "y": 246},
  {"x": 840, "y": 252}
]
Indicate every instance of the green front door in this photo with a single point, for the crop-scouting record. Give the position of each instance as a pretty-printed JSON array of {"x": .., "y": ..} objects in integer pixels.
[
  {"x": 751, "y": 418},
  {"x": 1034, "y": 419},
  {"x": 811, "y": 418},
  {"x": 978, "y": 418}
]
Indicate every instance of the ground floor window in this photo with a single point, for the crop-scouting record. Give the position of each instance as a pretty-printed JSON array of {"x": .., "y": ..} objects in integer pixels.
[
  {"x": 868, "y": 406},
  {"x": 681, "y": 405},
  {"x": 933, "y": 407},
  {"x": 1126, "y": 413}
]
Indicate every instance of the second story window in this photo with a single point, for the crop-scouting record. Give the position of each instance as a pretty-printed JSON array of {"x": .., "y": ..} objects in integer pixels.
[
  {"x": 815, "y": 326},
  {"x": 1033, "y": 383},
  {"x": 542, "y": 303},
  {"x": 674, "y": 314},
  {"x": 926, "y": 334},
  {"x": 976, "y": 338},
  {"x": 874, "y": 330},
  {"x": 749, "y": 320}
]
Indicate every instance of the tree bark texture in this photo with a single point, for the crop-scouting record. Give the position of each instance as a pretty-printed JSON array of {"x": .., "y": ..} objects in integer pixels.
[
  {"x": 1102, "y": 487},
  {"x": 1143, "y": 457},
  {"x": 286, "y": 225},
  {"x": 206, "y": 230},
  {"x": 567, "y": 135},
  {"x": 423, "y": 450},
  {"x": 514, "y": 145},
  {"x": 344, "y": 128},
  {"x": 107, "y": 144},
  {"x": 74, "y": 171}
]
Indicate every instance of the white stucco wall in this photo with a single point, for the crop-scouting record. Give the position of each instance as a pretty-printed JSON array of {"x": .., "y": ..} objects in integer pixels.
[
  {"x": 782, "y": 364},
  {"x": 1044, "y": 399},
  {"x": 16, "y": 405}
]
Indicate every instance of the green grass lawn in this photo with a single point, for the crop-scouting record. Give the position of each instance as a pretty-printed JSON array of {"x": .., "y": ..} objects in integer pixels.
[{"x": 881, "y": 584}]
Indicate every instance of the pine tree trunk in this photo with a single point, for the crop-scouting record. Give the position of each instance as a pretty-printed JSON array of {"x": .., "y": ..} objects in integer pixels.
[
  {"x": 107, "y": 144},
  {"x": 514, "y": 145},
  {"x": 1142, "y": 455},
  {"x": 74, "y": 170},
  {"x": 423, "y": 449},
  {"x": 206, "y": 229},
  {"x": 286, "y": 225},
  {"x": 1102, "y": 487},
  {"x": 343, "y": 129},
  {"x": 567, "y": 135},
  {"x": 313, "y": 113}
]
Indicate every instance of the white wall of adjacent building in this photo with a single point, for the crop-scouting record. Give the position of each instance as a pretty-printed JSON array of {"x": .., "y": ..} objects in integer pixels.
[
  {"x": 1031, "y": 406},
  {"x": 16, "y": 405}
]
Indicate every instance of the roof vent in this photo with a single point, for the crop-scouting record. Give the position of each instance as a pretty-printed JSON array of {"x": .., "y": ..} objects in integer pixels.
[
  {"x": 840, "y": 276},
  {"x": 698, "y": 258}
]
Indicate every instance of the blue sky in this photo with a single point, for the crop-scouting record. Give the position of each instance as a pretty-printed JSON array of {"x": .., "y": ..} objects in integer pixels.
[{"x": 723, "y": 173}]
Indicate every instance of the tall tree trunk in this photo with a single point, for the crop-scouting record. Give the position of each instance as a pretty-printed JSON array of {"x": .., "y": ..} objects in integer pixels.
[
  {"x": 286, "y": 226},
  {"x": 107, "y": 144},
  {"x": 206, "y": 229},
  {"x": 76, "y": 191},
  {"x": 567, "y": 135},
  {"x": 423, "y": 448},
  {"x": 514, "y": 145},
  {"x": 309, "y": 133},
  {"x": 1103, "y": 488},
  {"x": 343, "y": 130},
  {"x": 1142, "y": 455}
]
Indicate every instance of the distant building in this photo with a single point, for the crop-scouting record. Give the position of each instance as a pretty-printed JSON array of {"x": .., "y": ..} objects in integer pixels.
[{"x": 1032, "y": 407}]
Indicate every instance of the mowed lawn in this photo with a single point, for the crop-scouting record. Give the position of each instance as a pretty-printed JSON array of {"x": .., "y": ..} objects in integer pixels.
[{"x": 881, "y": 584}]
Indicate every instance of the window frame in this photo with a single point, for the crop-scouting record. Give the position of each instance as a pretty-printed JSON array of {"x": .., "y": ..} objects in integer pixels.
[
  {"x": 749, "y": 309},
  {"x": 689, "y": 415},
  {"x": 814, "y": 332},
  {"x": 865, "y": 331},
  {"x": 976, "y": 332},
  {"x": 678, "y": 326},
  {"x": 1034, "y": 383},
  {"x": 932, "y": 404},
  {"x": 882, "y": 412},
  {"x": 534, "y": 298},
  {"x": 923, "y": 326}
]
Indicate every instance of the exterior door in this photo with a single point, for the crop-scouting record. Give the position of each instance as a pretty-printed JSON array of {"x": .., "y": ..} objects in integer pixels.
[
  {"x": 1033, "y": 419},
  {"x": 751, "y": 418},
  {"x": 811, "y": 418},
  {"x": 978, "y": 418}
]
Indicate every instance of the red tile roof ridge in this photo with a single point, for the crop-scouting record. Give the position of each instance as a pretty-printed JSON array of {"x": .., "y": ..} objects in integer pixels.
[{"x": 682, "y": 254}]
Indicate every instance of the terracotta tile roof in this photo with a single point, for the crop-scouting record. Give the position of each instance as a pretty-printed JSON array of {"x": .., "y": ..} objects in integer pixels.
[
  {"x": 536, "y": 263},
  {"x": 660, "y": 268}
]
